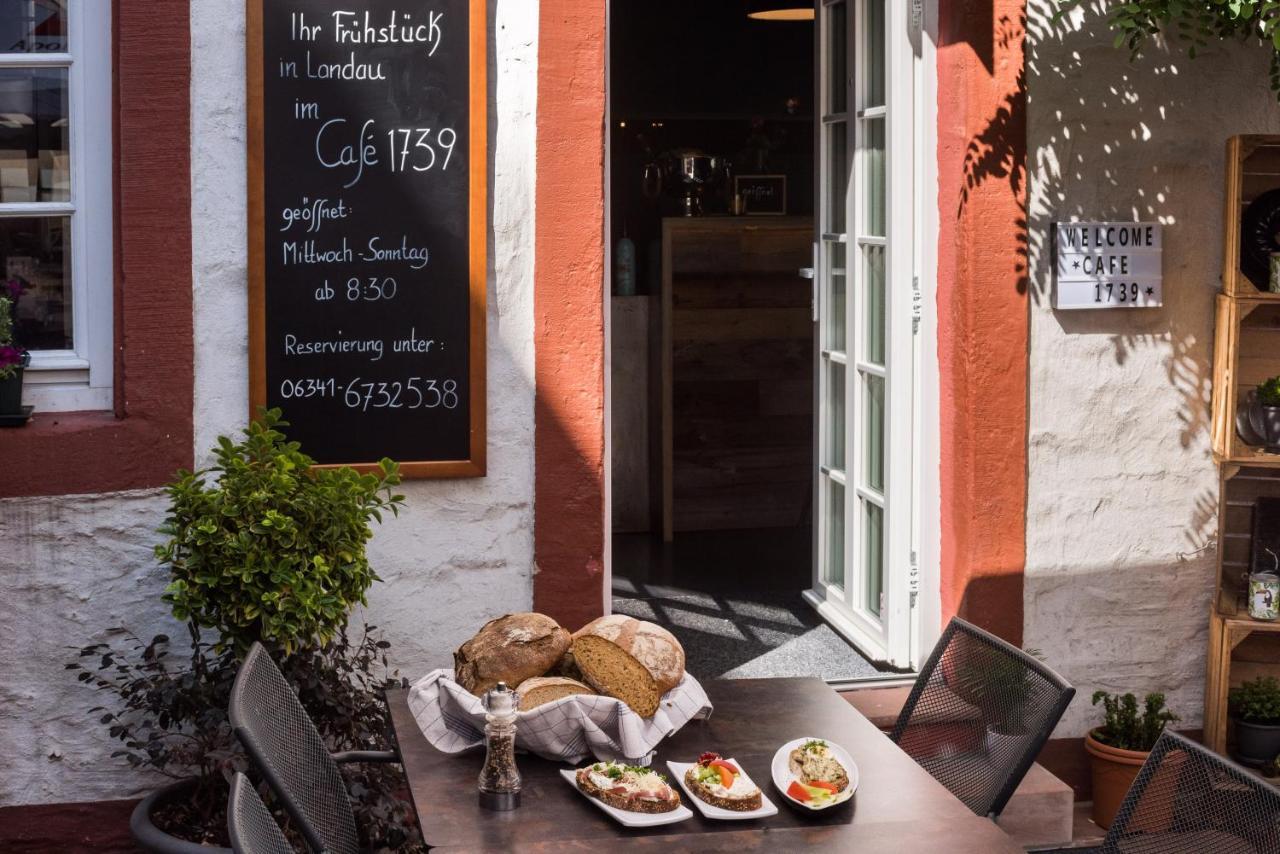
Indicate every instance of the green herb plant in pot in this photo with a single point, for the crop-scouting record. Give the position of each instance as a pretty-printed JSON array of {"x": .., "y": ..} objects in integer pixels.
[
  {"x": 1264, "y": 415},
  {"x": 1255, "y": 711},
  {"x": 1119, "y": 747}
]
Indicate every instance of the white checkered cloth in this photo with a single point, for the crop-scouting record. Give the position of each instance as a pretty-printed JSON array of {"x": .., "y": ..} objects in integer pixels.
[{"x": 567, "y": 730}]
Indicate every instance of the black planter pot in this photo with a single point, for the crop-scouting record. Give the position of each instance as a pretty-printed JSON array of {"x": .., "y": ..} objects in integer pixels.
[
  {"x": 11, "y": 394},
  {"x": 151, "y": 838},
  {"x": 1256, "y": 744}
]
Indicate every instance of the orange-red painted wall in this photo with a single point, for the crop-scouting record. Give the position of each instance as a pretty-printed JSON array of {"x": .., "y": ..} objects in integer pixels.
[
  {"x": 569, "y": 305},
  {"x": 982, "y": 311}
]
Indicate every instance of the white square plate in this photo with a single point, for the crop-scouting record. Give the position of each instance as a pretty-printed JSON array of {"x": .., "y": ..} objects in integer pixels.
[
  {"x": 678, "y": 770},
  {"x": 626, "y": 818}
]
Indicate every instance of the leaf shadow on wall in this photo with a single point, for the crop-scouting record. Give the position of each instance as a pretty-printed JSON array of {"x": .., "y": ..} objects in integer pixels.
[{"x": 1111, "y": 139}]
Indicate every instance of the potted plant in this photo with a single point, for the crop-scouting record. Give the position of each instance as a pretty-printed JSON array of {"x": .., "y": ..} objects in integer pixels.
[
  {"x": 1264, "y": 415},
  {"x": 1119, "y": 747},
  {"x": 260, "y": 547},
  {"x": 1255, "y": 711},
  {"x": 13, "y": 359},
  {"x": 999, "y": 687}
]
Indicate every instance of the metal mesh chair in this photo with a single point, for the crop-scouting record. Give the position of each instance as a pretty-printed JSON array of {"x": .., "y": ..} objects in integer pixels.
[
  {"x": 280, "y": 738},
  {"x": 978, "y": 715},
  {"x": 1188, "y": 800},
  {"x": 252, "y": 828}
]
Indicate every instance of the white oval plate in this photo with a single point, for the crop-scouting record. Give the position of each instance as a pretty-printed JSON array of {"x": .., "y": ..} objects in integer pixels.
[
  {"x": 767, "y": 808},
  {"x": 782, "y": 776},
  {"x": 627, "y": 818}
]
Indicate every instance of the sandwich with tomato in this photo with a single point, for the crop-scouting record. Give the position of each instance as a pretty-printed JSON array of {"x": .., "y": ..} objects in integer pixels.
[
  {"x": 819, "y": 775},
  {"x": 722, "y": 784}
]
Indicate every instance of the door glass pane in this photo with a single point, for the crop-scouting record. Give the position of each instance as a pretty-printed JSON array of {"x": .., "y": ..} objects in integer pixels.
[
  {"x": 33, "y": 26},
  {"x": 873, "y": 554},
  {"x": 838, "y": 45},
  {"x": 874, "y": 178},
  {"x": 34, "y": 135},
  {"x": 835, "y": 415},
  {"x": 837, "y": 176},
  {"x": 836, "y": 302},
  {"x": 833, "y": 566},
  {"x": 873, "y": 432},
  {"x": 35, "y": 256},
  {"x": 873, "y": 312},
  {"x": 875, "y": 64}
]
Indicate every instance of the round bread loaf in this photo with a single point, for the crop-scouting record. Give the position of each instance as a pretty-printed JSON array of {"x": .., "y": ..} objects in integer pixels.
[
  {"x": 633, "y": 660},
  {"x": 510, "y": 649},
  {"x": 541, "y": 690}
]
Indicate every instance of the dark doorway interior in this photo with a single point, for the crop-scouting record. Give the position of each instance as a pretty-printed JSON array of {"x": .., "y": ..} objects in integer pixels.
[{"x": 697, "y": 87}]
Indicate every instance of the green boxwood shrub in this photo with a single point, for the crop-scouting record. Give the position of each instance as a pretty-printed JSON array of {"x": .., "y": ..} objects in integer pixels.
[{"x": 264, "y": 547}]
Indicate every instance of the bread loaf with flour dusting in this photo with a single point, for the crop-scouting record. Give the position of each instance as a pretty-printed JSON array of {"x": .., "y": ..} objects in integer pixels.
[
  {"x": 633, "y": 660},
  {"x": 510, "y": 649}
]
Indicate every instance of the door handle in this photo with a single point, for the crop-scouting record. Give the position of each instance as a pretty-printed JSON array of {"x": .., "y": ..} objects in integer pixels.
[{"x": 806, "y": 273}]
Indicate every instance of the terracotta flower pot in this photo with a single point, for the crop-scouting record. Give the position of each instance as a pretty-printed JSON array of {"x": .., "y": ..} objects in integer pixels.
[{"x": 1114, "y": 771}]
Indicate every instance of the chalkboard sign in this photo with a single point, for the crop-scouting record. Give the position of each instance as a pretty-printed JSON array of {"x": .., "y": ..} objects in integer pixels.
[{"x": 367, "y": 228}]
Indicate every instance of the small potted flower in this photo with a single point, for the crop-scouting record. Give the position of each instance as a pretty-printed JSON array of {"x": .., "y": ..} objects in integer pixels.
[
  {"x": 13, "y": 359},
  {"x": 1255, "y": 711},
  {"x": 1118, "y": 748}
]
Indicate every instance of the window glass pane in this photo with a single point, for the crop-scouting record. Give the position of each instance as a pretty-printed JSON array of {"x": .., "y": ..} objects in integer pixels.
[
  {"x": 873, "y": 435},
  {"x": 837, "y": 176},
  {"x": 35, "y": 258},
  {"x": 874, "y": 178},
  {"x": 836, "y": 302},
  {"x": 838, "y": 45},
  {"x": 33, "y": 26},
  {"x": 875, "y": 54},
  {"x": 835, "y": 415},
  {"x": 873, "y": 312},
  {"x": 34, "y": 135},
  {"x": 873, "y": 554},
  {"x": 833, "y": 566}
]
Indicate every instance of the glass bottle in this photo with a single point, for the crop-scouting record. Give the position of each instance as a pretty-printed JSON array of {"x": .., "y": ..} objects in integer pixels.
[{"x": 500, "y": 779}]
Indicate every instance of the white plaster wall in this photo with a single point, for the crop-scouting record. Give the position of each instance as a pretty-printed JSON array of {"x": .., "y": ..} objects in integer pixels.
[
  {"x": 1121, "y": 514},
  {"x": 459, "y": 553}
]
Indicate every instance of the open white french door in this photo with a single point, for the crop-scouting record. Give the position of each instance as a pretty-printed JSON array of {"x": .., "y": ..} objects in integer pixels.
[{"x": 866, "y": 307}]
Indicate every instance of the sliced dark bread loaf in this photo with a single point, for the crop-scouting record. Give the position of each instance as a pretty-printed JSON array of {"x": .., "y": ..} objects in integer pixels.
[{"x": 633, "y": 660}]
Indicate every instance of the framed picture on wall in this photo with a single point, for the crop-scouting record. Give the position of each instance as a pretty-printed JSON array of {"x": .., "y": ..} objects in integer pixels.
[{"x": 761, "y": 195}]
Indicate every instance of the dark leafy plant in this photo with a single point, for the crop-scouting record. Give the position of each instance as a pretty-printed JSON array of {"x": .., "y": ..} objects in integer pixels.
[
  {"x": 1256, "y": 701},
  {"x": 264, "y": 547},
  {"x": 1193, "y": 23},
  {"x": 1123, "y": 727},
  {"x": 996, "y": 684},
  {"x": 1269, "y": 392},
  {"x": 171, "y": 717}
]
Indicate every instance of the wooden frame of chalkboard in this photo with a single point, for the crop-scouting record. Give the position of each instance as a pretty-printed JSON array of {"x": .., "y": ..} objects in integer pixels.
[{"x": 461, "y": 449}]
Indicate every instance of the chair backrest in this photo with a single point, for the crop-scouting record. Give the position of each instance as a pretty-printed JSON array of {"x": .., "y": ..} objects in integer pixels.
[
  {"x": 252, "y": 828},
  {"x": 285, "y": 746},
  {"x": 1188, "y": 800},
  {"x": 978, "y": 715}
]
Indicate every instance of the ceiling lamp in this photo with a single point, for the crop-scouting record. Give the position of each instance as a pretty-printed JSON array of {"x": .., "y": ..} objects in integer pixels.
[{"x": 779, "y": 10}]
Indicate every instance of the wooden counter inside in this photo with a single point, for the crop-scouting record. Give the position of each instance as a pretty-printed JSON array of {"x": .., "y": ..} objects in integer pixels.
[{"x": 737, "y": 373}]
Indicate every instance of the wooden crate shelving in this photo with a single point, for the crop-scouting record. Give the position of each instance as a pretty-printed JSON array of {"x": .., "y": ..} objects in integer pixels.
[
  {"x": 1246, "y": 352},
  {"x": 1253, "y": 168}
]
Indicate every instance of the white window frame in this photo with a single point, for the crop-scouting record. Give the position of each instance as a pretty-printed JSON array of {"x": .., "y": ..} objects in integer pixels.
[{"x": 81, "y": 378}]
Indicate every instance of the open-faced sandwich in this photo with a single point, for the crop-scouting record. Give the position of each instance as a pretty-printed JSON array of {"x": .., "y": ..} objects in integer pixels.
[
  {"x": 819, "y": 775},
  {"x": 722, "y": 784},
  {"x": 628, "y": 787}
]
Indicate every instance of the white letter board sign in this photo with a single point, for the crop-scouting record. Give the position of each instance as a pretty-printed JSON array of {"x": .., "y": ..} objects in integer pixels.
[{"x": 1108, "y": 265}]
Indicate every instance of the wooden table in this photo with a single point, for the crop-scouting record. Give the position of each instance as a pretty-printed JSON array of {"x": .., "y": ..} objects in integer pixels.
[{"x": 898, "y": 808}]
